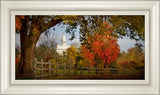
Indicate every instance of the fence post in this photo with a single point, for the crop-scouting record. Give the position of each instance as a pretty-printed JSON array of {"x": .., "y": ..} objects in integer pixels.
[
  {"x": 50, "y": 68},
  {"x": 81, "y": 70},
  {"x": 45, "y": 66},
  {"x": 69, "y": 69},
  {"x": 35, "y": 65},
  {"x": 42, "y": 67},
  {"x": 64, "y": 68},
  {"x": 74, "y": 70},
  {"x": 105, "y": 71},
  {"x": 57, "y": 67},
  {"x": 89, "y": 70}
]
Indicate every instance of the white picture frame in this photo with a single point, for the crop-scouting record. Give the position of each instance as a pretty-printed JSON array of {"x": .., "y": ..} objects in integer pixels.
[{"x": 8, "y": 84}]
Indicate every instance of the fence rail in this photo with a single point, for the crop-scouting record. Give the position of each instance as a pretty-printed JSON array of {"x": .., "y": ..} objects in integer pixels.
[{"x": 49, "y": 69}]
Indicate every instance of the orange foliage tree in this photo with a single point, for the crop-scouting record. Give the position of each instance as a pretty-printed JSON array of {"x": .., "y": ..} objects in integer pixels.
[
  {"x": 19, "y": 22},
  {"x": 102, "y": 46}
]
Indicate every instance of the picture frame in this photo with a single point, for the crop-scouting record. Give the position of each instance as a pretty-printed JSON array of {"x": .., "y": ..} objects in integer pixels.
[{"x": 8, "y": 84}]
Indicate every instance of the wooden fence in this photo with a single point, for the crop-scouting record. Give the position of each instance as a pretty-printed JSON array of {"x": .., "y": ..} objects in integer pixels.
[{"x": 49, "y": 69}]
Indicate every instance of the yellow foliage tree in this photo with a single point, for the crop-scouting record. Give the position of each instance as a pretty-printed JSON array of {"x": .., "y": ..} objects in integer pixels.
[
  {"x": 134, "y": 58},
  {"x": 71, "y": 54}
]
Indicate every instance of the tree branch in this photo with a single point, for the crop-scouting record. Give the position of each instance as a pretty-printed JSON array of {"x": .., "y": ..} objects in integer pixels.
[{"x": 50, "y": 24}]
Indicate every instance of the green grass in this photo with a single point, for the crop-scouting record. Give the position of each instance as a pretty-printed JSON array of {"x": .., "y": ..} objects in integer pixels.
[{"x": 38, "y": 72}]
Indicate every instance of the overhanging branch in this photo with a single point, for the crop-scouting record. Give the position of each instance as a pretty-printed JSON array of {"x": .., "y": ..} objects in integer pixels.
[{"x": 50, "y": 24}]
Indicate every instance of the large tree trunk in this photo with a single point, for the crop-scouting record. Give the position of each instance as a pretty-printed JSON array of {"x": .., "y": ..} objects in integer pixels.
[
  {"x": 27, "y": 55},
  {"x": 28, "y": 43}
]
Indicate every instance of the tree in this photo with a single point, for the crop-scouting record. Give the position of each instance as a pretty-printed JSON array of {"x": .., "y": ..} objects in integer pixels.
[
  {"x": 30, "y": 28},
  {"x": 46, "y": 46},
  {"x": 101, "y": 47},
  {"x": 88, "y": 55},
  {"x": 123, "y": 61},
  {"x": 134, "y": 58},
  {"x": 71, "y": 54},
  {"x": 131, "y": 26}
]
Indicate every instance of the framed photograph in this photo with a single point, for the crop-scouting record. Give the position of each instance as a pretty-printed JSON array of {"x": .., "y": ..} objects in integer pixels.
[{"x": 79, "y": 47}]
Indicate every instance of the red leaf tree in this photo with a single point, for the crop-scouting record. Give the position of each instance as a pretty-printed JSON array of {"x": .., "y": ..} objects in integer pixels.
[{"x": 101, "y": 45}]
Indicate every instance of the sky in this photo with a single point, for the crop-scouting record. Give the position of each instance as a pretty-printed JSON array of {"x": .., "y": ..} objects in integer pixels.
[{"x": 124, "y": 43}]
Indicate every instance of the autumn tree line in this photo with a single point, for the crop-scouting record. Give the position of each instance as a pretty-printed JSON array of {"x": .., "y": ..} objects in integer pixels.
[{"x": 98, "y": 37}]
